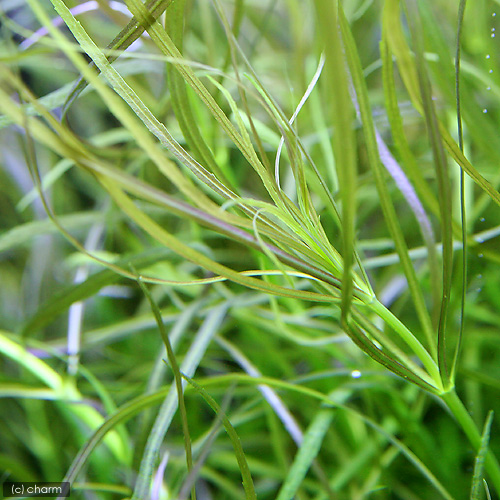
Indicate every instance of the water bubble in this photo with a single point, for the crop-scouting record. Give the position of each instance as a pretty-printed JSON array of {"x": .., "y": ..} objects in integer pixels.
[
  {"x": 479, "y": 239},
  {"x": 481, "y": 219},
  {"x": 490, "y": 71},
  {"x": 493, "y": 35},
  {"x": 479, "y": 276},
  {"x": 355, "y": 374},
  {"x": 488, "y": 88},
  {"x": 480, "y": 255},
  {"x": 493, "y": 14},
  {"x": 485, "y": 110},
  {"x": 487, "y": 56},
  {"x": 493, "y": 29}
]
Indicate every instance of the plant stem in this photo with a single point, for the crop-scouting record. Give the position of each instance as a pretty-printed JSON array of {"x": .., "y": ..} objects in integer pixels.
[{"x": 457, "y": 408}]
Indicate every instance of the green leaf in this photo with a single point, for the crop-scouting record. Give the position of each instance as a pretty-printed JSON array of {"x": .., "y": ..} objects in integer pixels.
[
  {"x": 342, "y": 116},
  {"x": 235, "y": 440},
  {"x": 62, "y": 300},
  {"x": 307, "y": 452},
  {"x": 178, "y": 379},
  {"x": 480, "y": 457},
  {"x": 168, "y": 408}
]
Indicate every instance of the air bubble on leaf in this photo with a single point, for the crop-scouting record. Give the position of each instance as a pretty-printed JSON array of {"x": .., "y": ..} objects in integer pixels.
[
  {"x": 493, "y": 14},
  {"x": 490, "y": 71},
  {"x": 488, "y": 88},
  {"x": 481, "y": 219},
  {"x": 355, "y": 374},
  {"x": 480, "y": 255},
  {"x": 487, "y": 56},
  {"x": 493, "y": 35},
  {"x": 485, "y": 110}
]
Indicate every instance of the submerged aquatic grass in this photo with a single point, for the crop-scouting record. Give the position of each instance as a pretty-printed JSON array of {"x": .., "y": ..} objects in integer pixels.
[{"x": 255, "y": 179}]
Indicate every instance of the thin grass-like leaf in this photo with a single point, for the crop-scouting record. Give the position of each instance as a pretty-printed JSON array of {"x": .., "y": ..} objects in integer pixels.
[
  {"x": 477, "y": 477},
  {"x": 378, "y": 173},
  {"x": 63, "y": 299},
  {"x": 174, "y": 24},
  {"x": 414, "y": 172},
  {"x": 366, "y": 344},
  {"x": 235, "y": 440},
  {"x": 177, "y": 376},
  {"x": 207, "y": 445},
  {"x": 463, "y": 216},
  {"x": 444, "y": 187},
  {"x": 342, "y": 115},
  {"x": 23, "y": 392},
  {"x": 166, "y": 413},
  {"x": 468, "y": 425},
  {"x": 31, "y": 363},
  {"x": 23, "y": 234},
  {"x": 307, "y": 452},
  {"x": 486, "y": 489},
  {"x": 122, "y": 41},
  {"x": 179, "y": 330}
]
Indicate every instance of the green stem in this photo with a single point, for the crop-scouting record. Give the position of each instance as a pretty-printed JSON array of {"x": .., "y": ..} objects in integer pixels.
[{"x": 455, "y": 405}]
